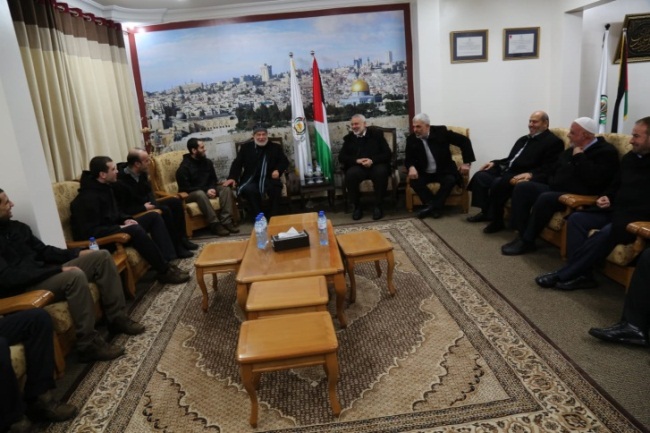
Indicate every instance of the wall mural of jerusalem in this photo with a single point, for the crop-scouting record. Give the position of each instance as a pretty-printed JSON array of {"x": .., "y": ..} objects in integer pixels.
[{"x": 216, "y": 82}]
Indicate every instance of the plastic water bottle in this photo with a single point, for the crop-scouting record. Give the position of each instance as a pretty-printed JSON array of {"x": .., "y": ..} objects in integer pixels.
[
  {"x": 260, "y": 232},
  {"x": 322, "y": 228},
  {"x": 92, "y": 244}
]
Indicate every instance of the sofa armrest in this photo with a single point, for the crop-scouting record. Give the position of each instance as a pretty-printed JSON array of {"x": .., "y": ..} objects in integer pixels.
[
  {"x": 640, "y": 228},
  {"x": 115, "y": 238},
  {"x": 25, "y": 301},
  {"x": 576, "y": 201},
  {"x": 158, "y": 211}
]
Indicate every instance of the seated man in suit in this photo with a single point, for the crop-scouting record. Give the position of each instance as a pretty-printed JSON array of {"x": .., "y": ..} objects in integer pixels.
[
  {"x": 586, "y": 168},
  {"x": 135, "y": 195},
  {"x": 28, "y": 264},
  {"x": 32, "y": 328},
  {"x": 256, "y": 171},
  {"x": 530, "y": 159},
  {"x": 197, "y": 177},
  {"x": 428, "y": 159},
  {"x": 94, "y": 213},
  {"x": 626, "y": 200},
  {"x": 635, "y": 321},
  {"x": 365, "y": 155}
]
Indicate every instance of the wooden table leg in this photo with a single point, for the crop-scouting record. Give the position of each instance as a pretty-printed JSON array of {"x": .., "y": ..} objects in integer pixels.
[
  {"x": 204, "y": 289},
  {"x": 242, "y": 296},
  {"x": 391, "y": 267},
  {"x": 246, "y": 372},
  {"x": 332, "y": 369},
  {"x": 339, "y": 288}
]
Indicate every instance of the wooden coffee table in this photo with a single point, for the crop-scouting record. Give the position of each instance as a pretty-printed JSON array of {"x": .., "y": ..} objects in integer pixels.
[{"x": 265, "y": 265}]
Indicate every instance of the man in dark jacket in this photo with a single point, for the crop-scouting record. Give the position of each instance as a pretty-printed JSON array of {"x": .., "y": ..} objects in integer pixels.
[
  {"x": 33, "y": 329},
  {"x": 365, "y": 155},
  {"x": 586, "y": 168},
  {"x": 28, "y": 264},
  {"x": 531, "y": 158},
  {"x": 626, "y": 200},
  {"x": 197, "y": 177},
  {"x": 256, "y": 171},
  {"x": 94, "y": 213},
  {"x": 134, "y": 195},
  {"x": 428, "y": 160}
]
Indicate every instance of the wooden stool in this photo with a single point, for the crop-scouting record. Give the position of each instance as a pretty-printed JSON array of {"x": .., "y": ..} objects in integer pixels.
[
  {"x": 284, "y": 342},
  {"x": 366, "y": 246},
  {"x": 215, "y": 259},
  {"x": 288, "y": 296}
]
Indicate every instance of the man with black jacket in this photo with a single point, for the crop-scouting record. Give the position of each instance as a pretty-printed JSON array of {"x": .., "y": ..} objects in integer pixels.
[
  {"x": 94, "y": 213},
  {"x": 428, "y": 160},
  {"x": 531, "y": 158},
  {"x": 586, "y": 168},
  {"x": 28, "y": 264},
  {"x": 626, "y": 200},
  {"x": 134, "y": 195},
  {"x": 256, "y": 171},
  {"x": 197, "y": 177},
  {"x": 365, "y": 155}
]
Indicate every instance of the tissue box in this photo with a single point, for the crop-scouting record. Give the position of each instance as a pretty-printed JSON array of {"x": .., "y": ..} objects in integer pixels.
[{"x": 299, "y": 241}]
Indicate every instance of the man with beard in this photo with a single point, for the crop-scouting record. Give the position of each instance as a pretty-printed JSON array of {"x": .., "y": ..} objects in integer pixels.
[
  {"x": 531, "y": 158},
  {"x": 135, "y": 195},
  {"x": 197, "y": 177},
  {"x": 257, "y": 169},
  {"x": 365, "y": 155},
  {"x": 428, "y": 160},
  {"x": 27, "y": 264},
  {"x": 94, "y": 213},
  {"x": 626, "y": 200}
]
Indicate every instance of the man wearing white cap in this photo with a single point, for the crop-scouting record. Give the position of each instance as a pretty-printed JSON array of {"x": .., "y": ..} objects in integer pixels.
[
  {"x": 587, "y": 167},
  {"x": 626, "y": 200}
]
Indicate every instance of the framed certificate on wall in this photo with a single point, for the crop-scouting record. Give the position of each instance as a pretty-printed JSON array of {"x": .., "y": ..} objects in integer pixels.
[
  {"x": 521, "y": 43},
  {"x": 469, "y": 46}
]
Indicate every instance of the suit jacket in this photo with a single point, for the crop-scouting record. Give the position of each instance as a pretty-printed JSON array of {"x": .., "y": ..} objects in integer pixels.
[
  {"x": 438, "y": 142},
  {"x": 586, "y": 173},
  {"x": 196, "y": 174},
  {"x": 248, "y": 162},
  {"x": 538, "y": 156},
  {"x": 372, "y": 145}
]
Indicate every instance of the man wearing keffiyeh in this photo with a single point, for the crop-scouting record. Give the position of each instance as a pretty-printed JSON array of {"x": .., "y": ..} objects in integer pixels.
[{"x": 256, "y": 172}]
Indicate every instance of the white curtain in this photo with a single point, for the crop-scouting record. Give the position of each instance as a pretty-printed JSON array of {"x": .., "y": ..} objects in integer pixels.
[{"x": 80, "y": 83}]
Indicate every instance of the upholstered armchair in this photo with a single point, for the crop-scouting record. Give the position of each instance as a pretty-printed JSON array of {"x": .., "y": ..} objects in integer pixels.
[
  {"x": 162, "y": 174},
  {"x": 390, "y": 134},
  {"x": 459, "y": 195},
  {"x": 64, "y": 332},
  {"x": 129, "y": 262}
]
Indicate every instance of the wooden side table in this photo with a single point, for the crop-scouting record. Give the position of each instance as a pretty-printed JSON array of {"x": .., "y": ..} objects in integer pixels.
[
  {"x": 366, "y": 246},
  {"x": 284, "y": 342},
  {"x": 329, "y": 187},
  {"x": 215, "y": 259},
  {"x": 286, "y": 296}
]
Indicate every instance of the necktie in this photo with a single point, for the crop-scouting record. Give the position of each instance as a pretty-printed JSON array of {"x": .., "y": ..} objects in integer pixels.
[{"x": 519, "y": 153}]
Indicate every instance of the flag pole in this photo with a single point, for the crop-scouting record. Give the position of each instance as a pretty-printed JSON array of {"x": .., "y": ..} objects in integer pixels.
[{"x": 600, "y": 106}]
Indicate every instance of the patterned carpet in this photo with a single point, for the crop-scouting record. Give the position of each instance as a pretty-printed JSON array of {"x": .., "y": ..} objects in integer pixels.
[{"x": 446, "y": 354}]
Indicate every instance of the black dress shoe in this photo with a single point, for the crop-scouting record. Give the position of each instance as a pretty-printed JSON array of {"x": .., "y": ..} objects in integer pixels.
[
  {"x": 357, "y": 213},
  {"x": 621, "y": 332},
  {"x": 182, "y": 253},
  {"x": 189, "y": 245},
  {"x": 436, "y": 214},
  {"x": 581, "y": 282},
  {"x": 517, "y": 247},
  {"x": 478, "y": 218},
  {"x": 426, "y": 211},
  {"x": 547, "y": 280},
  {"x": 494, "y": 226},
  {"x": 377, "y": 213}
]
